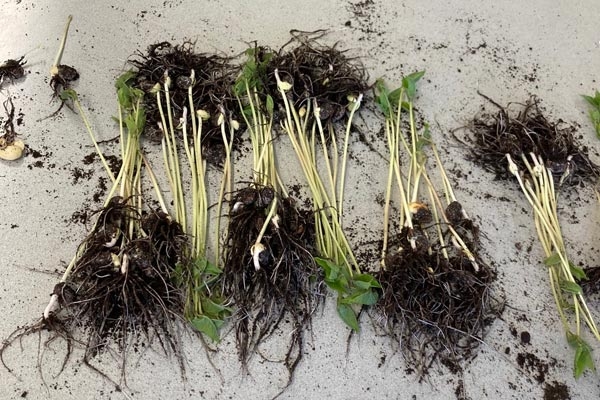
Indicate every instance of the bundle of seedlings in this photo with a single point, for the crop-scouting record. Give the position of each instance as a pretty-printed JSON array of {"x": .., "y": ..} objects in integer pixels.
[
  {"x": 211, "y": 92},
  {"x": 269, "y": 272},
  {"x": 118, "y": 288},
  {"x": 320, "y": 90},
  {"x": 436, "y": 299},
  {"x": 544, "y": 156},
  {"x": 192, "y": 110},
  {"x": 195, "y": 273}
]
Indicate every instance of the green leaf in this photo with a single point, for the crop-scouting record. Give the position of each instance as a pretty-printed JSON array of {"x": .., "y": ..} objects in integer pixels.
[
  {"x": 395, "y": 96},
  {"x": 583, "y": 359},
  {"x": 68, "y": 94},
  {"x": 424, "y": 139},
  {"x": 212, "y": 308},
  {"x": 577, "y": 272},
  {"x": 131, "y": 124},
  {"x": 369, "y": 280},
  {"x": 382, "y": 98},
  {"x": 554, "y": 259},
  {"x": 367, "y": 298},
  {"x": 141, "y": 120},
  {"x": 409, "y": 82},
  {"x": 336, "y": 277},
  {"x": 570, "y": 287},
  {"x": 337, "y": 286},
  {"x": 270, "y": 104},
  {"x": 124, "y": 98},
  {"x": 207, "y": 326},
  {"x": 583, "y": 355},
  {"x": 178, "y": 274},
  {"x": 331, "y": 270},
  {"x": 212, "y": 269},
  {"x": 589, "y": 99},
  {"x": 239, "y": 87},
  {"x": 124, "y": 80},
  {"x": 347, "y": 315}
]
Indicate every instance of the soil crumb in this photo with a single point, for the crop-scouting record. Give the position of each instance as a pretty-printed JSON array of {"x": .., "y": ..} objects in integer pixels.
[{"x": 556, "y": 391}]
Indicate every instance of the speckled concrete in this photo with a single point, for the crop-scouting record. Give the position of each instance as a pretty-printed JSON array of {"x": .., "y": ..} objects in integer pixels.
[{"x": 507, "y": 50}]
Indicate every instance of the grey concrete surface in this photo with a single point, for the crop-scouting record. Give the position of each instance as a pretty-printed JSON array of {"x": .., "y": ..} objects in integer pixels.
[{"x": 505, "y": 49}]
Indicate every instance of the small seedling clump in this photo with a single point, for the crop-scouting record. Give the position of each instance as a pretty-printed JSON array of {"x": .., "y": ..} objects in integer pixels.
[
  {"x": 529, "y": 131},
  {"x": 12, "y": 70},
  {"x": 61, "y": 75}
]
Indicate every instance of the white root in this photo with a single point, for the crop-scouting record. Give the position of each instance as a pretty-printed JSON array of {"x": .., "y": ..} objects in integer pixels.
[
  {"x": 255, "y": 250},
  {"x": 124, "y": 264},
  {"x": 275, "y": 221},
  {"x": 52, "y": 306},
  {"x": 237, "y": 206},
  {"x": 114, "y": 239}
]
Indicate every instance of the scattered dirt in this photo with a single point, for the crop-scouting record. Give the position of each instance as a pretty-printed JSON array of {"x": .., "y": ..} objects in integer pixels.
[
  {"x": 534, "y": 365},
  {"x": 556, "y": 391},
  {"x": 79, "y": 174}
]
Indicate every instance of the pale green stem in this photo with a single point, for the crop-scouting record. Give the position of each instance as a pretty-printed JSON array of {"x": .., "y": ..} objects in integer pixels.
[
  {"x": 61, "y": 48},
  {"x": 88, "y": 127},
  {"x": 355, "y": 106}
]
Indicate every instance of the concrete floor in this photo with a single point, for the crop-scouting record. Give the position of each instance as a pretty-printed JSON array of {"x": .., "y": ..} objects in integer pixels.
[{"x": 506, "y": 50}]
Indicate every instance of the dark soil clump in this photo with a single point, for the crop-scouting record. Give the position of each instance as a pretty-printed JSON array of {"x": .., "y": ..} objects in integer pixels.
[
  {"x": 529, "y": 131},
  {"x": 437, "y": 308},
  {"x": 284, "y": 286},
  {"x": 123, "y": 286},
  {"x": 317, "y": 72},
  {"x": 214, "y": 77},
  {"x": 556, "y": 391},
  {"x": 12, "y": 70},
  {"x": 62, "y": 78}
]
